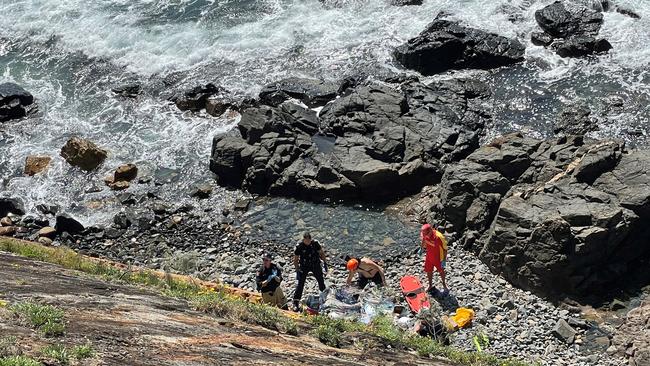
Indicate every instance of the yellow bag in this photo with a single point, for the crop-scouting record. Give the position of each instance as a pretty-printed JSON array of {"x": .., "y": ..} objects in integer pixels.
[{"x": 463, "y": 317}]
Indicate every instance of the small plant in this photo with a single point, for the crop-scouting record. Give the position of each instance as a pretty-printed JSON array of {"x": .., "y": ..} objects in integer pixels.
[
  {"x": 83, "y": 352},
  {"x": 57, "y": 352},
  {"x": 18, "y": 361},
  {"x": 8, "y": 347},
  {"x": 47, "y": 318}
]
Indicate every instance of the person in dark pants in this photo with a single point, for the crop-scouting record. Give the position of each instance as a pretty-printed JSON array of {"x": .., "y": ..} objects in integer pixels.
[{"x": 307, "y": 259}]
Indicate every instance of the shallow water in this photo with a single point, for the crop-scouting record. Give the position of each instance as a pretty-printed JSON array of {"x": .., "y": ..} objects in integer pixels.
[{"x": 70, "y": 53}]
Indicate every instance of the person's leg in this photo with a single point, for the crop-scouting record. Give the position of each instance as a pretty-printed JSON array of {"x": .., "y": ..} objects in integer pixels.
[
  {"x": 267, "y": 298},
  {"x": 442, "y": 278},
  {"x": 428, "y": 269},
  {"x": 318, "y": 273},
  {"x": 297, "y": 295},
  {"x": 377, "y": 279},
  {"x": 280, "y": 299},
  {"x": 362, "y": 282}
]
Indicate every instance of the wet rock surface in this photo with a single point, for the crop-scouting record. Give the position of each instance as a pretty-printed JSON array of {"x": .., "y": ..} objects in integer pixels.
[
  {"x": 311, "y": 92},
  {"x": 363, "y": 145},
  {"x": 15, "y": 102},
  {"x": 570, "y": 29},
  {"x": 446, "y": 45}
]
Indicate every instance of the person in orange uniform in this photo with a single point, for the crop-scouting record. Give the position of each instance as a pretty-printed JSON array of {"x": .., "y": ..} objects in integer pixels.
[{"x": 435, "y": 245}]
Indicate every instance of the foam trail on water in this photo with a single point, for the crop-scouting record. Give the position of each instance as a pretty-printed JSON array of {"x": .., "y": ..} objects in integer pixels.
[{"x": 70, "y": 53}]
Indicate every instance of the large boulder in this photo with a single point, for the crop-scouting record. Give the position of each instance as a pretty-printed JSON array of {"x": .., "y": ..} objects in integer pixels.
[
  {"x": 560, "y": 217},
  {"x": 312, "y": 92},
  {"x": 446, "y": 45},
  {"x": 570, "y": 29},
  {"x": 377, "y": 142},
  {"x": 83, "y": 153},
  {"x": 15, "y": 102}
]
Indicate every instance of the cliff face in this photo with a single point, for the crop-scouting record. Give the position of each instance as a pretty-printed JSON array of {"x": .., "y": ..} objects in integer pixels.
[{"x": 127, "y": 325}]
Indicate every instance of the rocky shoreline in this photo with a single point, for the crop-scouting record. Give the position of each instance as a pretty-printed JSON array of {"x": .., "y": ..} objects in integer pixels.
[
  {"x": 533, "y": 223},
  {"x": 518, "y": 323}
]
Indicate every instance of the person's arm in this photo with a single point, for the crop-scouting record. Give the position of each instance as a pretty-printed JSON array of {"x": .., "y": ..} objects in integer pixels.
[
  {"x": 321, "y": 253},
  {"x": 381, "y": 273},
  {"x": 350, "y": 276},
  {"x": 296, "y": 256},
  {"x": 278, "y": 276}
]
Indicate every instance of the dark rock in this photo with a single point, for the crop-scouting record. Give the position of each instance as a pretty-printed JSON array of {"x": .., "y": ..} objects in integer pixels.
[
  {"x": 446, "y": 45},
  {"x": 202, "y": 191},
  {"x": 575, "y": 119},
  {"x": 83, "y": 153},
  {"x": 47, "y": 209},
  {"x": 556, "y": 217},
  {"x": 564, "y": 332},
  {"x": 541, "y": 38},
  {"x": 556, "y": 20},
  {"x": 579, "y": 46},
  {"x": 197, "y": 98},
  {"x": 65, "y": 223},
  {"x": 629, "y": 12},
  {"x": 405, "y": 2},
  {"x": 377, "y": 142},
  {"x": 15, "y": 101},
  {"x": 11, "y": 206},
  {"x": 575, "y": 28},
  {"x": 242, "y": 205},
  {"x": 312, "y": 92},
  {"x": 121, "y": 220},
  {"x": 128, "y": 90},
  {"x": 126, "y": 172}
]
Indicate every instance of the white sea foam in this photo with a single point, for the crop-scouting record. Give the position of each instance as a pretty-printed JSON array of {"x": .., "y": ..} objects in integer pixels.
[{"x": 69, "y": 53}]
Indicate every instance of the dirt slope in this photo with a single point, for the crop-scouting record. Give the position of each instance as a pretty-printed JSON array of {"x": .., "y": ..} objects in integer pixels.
[{"x": 128, "y": 325}]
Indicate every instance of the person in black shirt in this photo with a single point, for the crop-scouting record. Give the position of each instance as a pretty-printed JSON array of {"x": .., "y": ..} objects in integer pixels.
[
  {"x": 307, "y": 258},
  {"x": 268, "y": 279}
]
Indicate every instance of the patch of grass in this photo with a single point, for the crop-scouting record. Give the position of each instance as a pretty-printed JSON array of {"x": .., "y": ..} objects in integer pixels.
[
  {"x": 18, "y": 361},
  {"x": 220, "y": 303},
  {"x": 58, "y": 353},
  {"x": 83, "y": 352},
  {"x": 233, "y": 307},
  {"x": 8, "y": 347},
  {"x": 46, "y": 318}
]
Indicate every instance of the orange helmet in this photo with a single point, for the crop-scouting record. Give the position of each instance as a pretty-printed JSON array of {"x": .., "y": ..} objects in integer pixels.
[{"x": 352, "y": 264}]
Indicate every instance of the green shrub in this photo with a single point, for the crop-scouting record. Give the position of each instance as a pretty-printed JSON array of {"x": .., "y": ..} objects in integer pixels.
[
  {"x": 57, "y": 352},
  {"x": 83, "y": 352},
  {"x": 8, "y": 347},
  {"x": 47, "y": 318},
  {"x": 18, "y": 361}
]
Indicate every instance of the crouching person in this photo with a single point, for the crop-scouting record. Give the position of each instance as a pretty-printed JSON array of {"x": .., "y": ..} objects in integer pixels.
[{"x": 269, "y": 278}]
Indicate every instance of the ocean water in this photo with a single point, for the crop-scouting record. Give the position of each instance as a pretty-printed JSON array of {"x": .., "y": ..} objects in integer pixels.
[{"x": 69, "y": 53}]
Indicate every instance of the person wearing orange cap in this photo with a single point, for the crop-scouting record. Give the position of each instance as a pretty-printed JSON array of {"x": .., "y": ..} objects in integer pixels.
[
  {"x": 435, "y": 245},
  {"x": 367, "y": 271}
]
